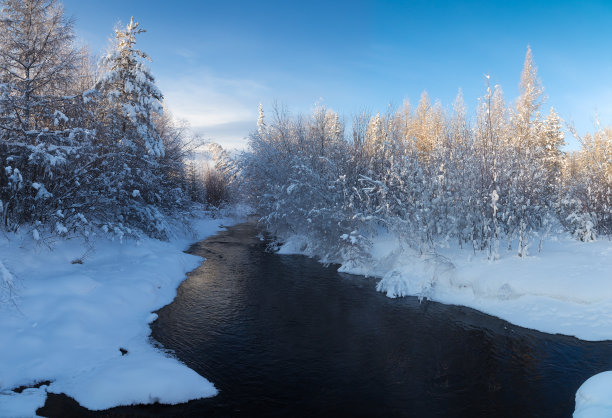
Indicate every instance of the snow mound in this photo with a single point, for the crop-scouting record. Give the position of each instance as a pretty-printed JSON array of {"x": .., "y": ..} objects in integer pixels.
[
  {"x": 297, "y": 244},
  {"x": 22, "y": 404},
  {"x": 594, "y": 397},
  {"x": 142, "y": 377}
]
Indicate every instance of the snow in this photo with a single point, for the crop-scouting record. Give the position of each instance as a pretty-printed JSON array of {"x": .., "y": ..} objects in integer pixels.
[
  {"x": 76, "y": 306},
  {"x": 69, "y": 321},
  {"x": 60, "y": 228},
  {"x": 594, "y": 397},
  {"x": 7, "y": 283},
  {"x": 141, "y": 376},
  {"x": 565, "y": 289},
  {"x": 23, "y": 404}
]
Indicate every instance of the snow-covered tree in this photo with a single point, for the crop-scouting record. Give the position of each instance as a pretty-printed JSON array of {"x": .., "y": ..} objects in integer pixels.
[
  {"x": 43, "y": 145},
  {"x": 83, "y": 148},
  {"x": 535, "y": 142},
  {"x": 130, "y": 96},
  {"x": 429, "y": 176},
  {"x": 38, "y": 64},
  {"x": 587, "y": 188},
  {"x": 135, "y": 186}
]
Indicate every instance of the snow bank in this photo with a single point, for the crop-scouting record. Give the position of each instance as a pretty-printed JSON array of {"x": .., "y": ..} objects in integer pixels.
[
  {"x": 565, "y": 289},
  {"x": 23, "y": 404},
  {"x": 70, "y": 322},
  {"x": 594, "y": 397}
]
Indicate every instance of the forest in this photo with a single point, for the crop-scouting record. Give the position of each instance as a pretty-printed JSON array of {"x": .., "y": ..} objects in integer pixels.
[
  {"x": 86, "y": 146},
  {"x": 431, "y": 176},
  {"x": 89, "y": 147}
]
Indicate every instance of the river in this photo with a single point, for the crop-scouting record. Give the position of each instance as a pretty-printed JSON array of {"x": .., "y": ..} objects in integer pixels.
[{"x": 283, "y": 335}]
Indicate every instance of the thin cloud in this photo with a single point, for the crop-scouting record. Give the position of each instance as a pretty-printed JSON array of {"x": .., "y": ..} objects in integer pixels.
[
  {"x": 186, "y": 53},
  {"x": 207, "y": 100}
]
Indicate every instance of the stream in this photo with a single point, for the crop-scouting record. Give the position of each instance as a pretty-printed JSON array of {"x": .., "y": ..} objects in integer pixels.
[{"x": 283, "y": 335}]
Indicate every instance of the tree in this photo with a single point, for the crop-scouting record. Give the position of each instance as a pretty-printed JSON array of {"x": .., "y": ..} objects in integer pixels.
[
  {"x": 427, "y": 176},
  {"x": 134, "y": 189},
  {"x": 38, "y": 64},
  {"x": 536, "y": 143},
  {"x": 42, "y": 146},
  {"x": 586, "y": 208},
  {"x": 130, "y": 94}
]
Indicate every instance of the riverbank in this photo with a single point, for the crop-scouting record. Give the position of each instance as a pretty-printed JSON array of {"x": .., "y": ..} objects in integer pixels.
[
  {"x": 565, "y": 289},
  {"x": 282, "y": 335},
  {"x": 74, "y": 319}
]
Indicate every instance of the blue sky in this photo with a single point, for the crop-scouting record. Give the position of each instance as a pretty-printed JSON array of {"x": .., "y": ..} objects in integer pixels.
[{"x": 216, "y": 60}]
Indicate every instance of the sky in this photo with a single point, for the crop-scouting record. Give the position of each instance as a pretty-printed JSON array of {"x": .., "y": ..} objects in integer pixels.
[{"x": 215, "y": 61}]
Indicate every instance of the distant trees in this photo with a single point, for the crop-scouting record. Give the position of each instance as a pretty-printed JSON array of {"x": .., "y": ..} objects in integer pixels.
[
  {"x": 83, "y": 148},
  {"x": 429, "y": 176},
  {"x": 223, "y": 182}
]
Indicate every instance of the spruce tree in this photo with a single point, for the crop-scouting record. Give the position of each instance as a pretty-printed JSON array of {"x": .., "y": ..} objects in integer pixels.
[{"x": 134, "y": 184}]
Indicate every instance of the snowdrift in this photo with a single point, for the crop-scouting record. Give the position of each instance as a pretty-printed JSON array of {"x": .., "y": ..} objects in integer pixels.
[{"x": 78, "y": 319}]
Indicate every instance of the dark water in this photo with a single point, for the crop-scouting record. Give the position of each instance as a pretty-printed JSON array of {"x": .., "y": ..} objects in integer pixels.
[{"x": 285, "y": 336}]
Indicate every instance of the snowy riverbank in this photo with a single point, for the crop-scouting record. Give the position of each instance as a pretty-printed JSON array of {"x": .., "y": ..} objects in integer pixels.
[
  {"x": 565, "y": 289},
  {"x": 70, "y": 322}
]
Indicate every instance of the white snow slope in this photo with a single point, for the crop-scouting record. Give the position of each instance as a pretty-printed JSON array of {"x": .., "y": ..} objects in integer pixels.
[
  {"x": 565, "y": 289},
  {"x": 65, "y": 323}
]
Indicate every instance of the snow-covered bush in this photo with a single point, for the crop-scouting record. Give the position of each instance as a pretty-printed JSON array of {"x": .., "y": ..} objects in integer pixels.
[
  {"x": 581, "y": 226},
  {"x": 7, "y": 285},
  {"x": 295, "y": 177}
]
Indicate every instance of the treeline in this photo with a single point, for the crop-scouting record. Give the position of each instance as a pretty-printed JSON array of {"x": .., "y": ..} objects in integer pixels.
[
  {"x": 431, "y": 176},
  {"x": 85, "y": 146}
]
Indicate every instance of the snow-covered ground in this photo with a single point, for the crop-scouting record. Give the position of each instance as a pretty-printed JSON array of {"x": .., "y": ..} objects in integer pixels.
[
  {"x": 65, "y": 322},
  {"x": 565, "y": 289}
]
